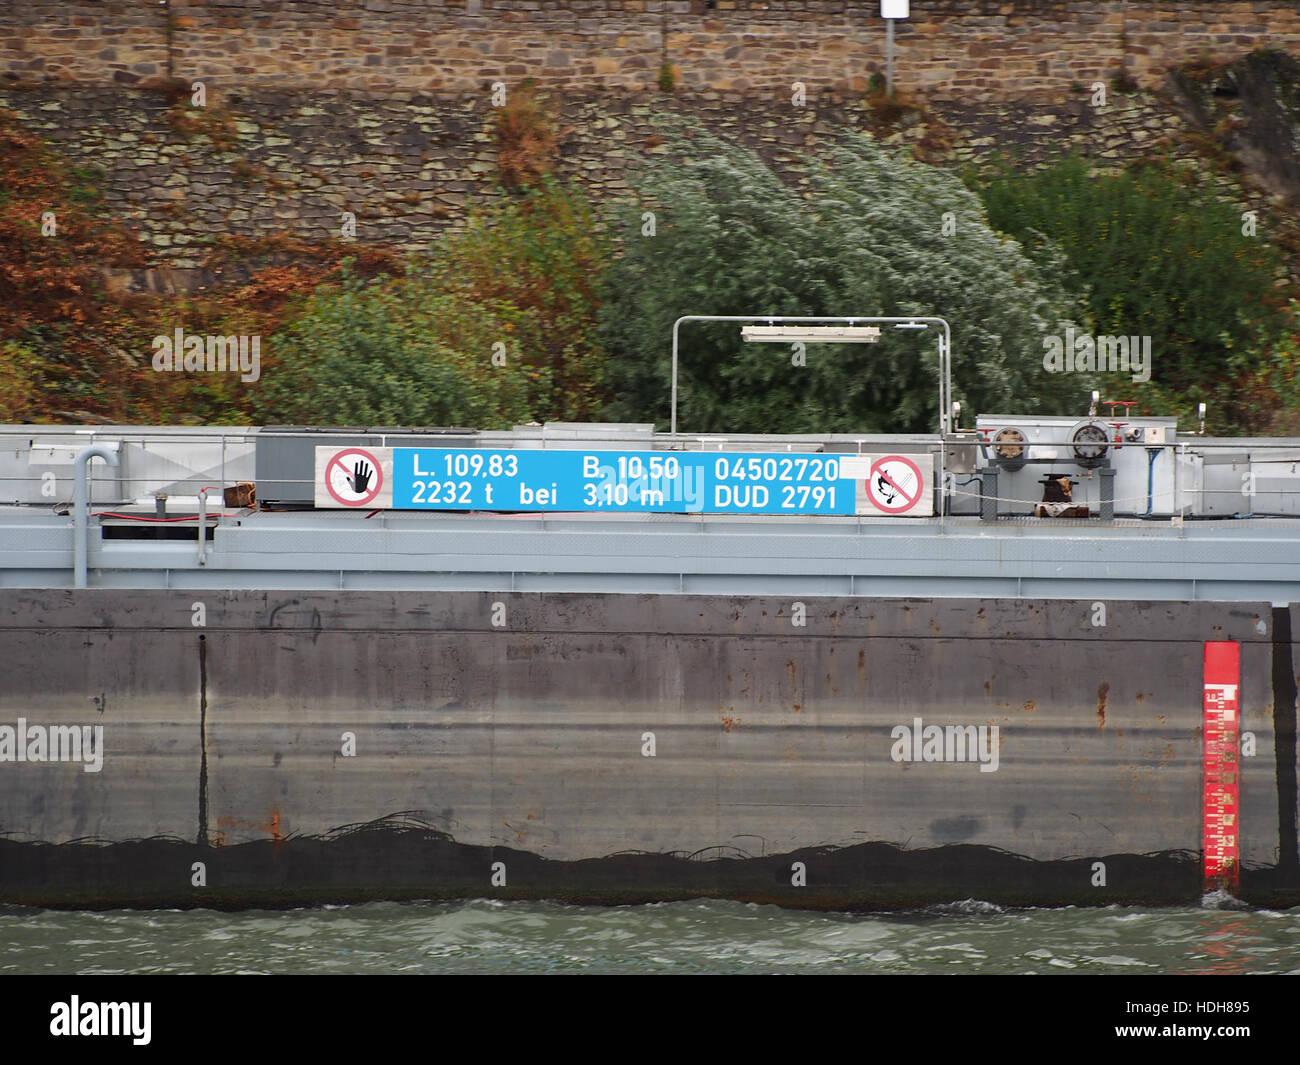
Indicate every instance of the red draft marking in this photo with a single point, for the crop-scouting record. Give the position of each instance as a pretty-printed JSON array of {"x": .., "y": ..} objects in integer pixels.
[
  {"x": 878, "y": 469},
  {"x": 377, "y": 478},
  {"x": 1219, "y": 807}
]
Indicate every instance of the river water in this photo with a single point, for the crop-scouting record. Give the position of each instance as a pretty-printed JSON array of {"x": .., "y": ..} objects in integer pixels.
[{"x": 489, "y": 936}]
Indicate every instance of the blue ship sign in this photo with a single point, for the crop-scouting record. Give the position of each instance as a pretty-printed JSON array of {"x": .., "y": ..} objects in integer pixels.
[
  {"x": 670, "y": 482},
  {"x": 666, "y": 482}
]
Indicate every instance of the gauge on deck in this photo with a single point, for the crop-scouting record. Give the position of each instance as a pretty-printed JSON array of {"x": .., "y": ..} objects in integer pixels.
[{"x": 1090, "y": 445}]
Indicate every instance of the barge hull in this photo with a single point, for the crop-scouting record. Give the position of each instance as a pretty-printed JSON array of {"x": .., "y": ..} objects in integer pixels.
[{"x": 285, "y": 748}]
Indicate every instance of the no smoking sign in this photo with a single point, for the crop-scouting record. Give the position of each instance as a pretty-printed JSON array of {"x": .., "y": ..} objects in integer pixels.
[{"x": 896, "y": 486}]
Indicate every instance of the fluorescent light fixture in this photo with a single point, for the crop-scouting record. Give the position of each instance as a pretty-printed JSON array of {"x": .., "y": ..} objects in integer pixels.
[{"x": 810, "y": 334}]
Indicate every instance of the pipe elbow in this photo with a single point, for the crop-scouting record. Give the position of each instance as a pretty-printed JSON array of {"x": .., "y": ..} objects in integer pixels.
[{"x": 97, "y": 451}]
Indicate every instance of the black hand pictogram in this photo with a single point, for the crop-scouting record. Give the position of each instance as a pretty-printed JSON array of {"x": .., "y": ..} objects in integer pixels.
[{"x": 361, "y": 478}]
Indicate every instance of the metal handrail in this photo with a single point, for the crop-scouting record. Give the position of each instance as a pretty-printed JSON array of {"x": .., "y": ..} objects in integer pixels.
[
  {"x": 945, "y": 355},
  {"x": 945, "y": 347}
]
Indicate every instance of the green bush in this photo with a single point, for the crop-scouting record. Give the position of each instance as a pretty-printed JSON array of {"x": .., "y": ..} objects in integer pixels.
[
  {"x": 22, "y": 374},
  {"x": 1156, "y": 255},
  {"x": 543, "y": 255},
  {"x": 732, "y": 238},
  {"x": 496, "y": 326},
  {"x": 1266, "y": 380},
  {"x": 391, "y": 353}
]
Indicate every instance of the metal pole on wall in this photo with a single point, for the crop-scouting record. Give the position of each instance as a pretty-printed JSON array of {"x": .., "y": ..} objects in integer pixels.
[
  {"x": 889, "y": 11},
  {"x": 889, "y": 53}
]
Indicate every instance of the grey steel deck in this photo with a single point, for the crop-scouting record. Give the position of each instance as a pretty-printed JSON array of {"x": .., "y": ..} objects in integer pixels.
[
  {"x": 1249, "y": 559},
  {"x": 1197, "y": 547}
]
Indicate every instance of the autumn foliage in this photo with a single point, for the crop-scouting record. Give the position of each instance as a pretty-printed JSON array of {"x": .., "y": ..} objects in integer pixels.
[{"x": 75, "y": 348}]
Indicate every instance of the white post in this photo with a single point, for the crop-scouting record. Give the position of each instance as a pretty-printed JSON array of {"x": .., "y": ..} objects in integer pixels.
[
  {"x": 889, "y": 57},
  {"x": 889, "y": 11}
]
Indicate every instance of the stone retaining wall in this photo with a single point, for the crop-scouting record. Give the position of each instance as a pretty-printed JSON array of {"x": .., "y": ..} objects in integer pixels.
[
  {"x": 409, "y": 165},
  {"x": 948, "y": 47}
]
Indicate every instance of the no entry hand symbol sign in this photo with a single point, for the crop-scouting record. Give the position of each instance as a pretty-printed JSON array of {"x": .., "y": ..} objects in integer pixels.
[{"x": 354, "y": 477}]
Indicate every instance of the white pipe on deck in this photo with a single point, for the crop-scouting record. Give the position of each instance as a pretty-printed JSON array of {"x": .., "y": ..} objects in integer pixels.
[{"x": 81, "y": 507}]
